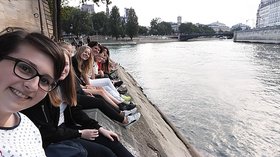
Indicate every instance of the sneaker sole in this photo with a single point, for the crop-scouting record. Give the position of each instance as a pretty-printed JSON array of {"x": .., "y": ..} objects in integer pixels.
[{"x": 127, "y": 126}]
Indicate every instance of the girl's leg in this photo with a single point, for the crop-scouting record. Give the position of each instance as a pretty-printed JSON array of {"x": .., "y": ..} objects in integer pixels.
[
  {"x": 94, "y": 149},
  {"x": 105, "y": 96},
  {"x": 103, "y": 82},
  {"x": 66, "y": 148},
  {"x": 115, "y": 146},
  {"x": 88, "y": 102},
  {"x": 111, "y": 97},
  {"x": 116, "y": 95}
]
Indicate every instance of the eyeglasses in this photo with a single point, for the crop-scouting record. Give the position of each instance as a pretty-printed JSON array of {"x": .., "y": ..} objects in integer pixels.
[{"x": 26, "y": 71}]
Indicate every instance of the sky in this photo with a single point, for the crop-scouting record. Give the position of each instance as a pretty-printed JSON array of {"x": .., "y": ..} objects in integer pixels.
[{"x": 229, "y": 12}]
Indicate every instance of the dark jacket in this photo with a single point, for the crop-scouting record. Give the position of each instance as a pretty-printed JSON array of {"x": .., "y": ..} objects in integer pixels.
[{"x": 45, "y": 116}]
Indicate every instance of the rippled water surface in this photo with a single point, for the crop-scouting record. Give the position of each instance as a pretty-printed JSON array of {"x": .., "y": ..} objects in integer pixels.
[{"x": 223, "y": 96}]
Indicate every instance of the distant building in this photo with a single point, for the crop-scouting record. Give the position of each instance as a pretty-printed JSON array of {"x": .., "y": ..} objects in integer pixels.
[
  {"x": 126, "y": 12},
  {"x": 217, "y": 27},
  {"x": 88, "y": 8},
  {"x": 179, "y": 20},
  {"x": 175, "y": 26},
  {"x": 268, "y": 13},
  {"x": 240, "y": 26}
]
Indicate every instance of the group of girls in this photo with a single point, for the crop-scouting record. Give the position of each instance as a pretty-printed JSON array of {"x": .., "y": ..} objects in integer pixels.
[{"x": 38, "y": 79}]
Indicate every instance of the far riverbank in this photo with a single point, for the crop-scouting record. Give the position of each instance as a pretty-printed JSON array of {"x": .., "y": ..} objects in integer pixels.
[{"x": 126, "y": 41}]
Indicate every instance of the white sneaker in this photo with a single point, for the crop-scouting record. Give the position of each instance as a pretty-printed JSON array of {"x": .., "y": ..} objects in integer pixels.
[
  {"x": 132, "y": 119},
  {"x": 129, "y": 112}
]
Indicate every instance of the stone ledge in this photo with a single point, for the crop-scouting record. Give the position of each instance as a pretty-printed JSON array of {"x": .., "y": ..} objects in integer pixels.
[{"x": 153, "y": 135}]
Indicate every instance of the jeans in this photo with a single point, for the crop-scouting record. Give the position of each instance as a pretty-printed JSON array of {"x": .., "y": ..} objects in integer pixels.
[
  {"x": 108, "y": 86},
  {"x": 104, "y": 147},
  {"x": 67, "y": 148}
]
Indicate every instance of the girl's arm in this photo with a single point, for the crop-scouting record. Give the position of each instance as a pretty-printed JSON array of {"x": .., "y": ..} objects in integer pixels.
[
  {"x": 92, "y": 76},
  {"x": 86, "y": 79}
]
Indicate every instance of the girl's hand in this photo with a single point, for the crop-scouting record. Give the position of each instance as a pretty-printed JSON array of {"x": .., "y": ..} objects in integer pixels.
[
  {"x": 109, "y": 134},
  {"x": 101, "y": 73},
  {"x": 87, "y": 92},
  {"x": 89, "y": 134}
]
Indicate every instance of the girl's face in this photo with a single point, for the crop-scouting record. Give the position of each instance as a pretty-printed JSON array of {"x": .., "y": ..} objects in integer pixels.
[
  {"x": 66, "y": 69},
  {"x": 17, "y": 94},
  {"x": 71, "y": 49},
  {"x": 105, "y": 57},
  {"x": 95, "y": 50},
  {"x": 86, "y": 54}
]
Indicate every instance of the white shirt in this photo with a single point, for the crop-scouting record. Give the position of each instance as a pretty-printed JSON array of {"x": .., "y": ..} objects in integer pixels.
[
  {"x": 95, "y": 68},
  {"x": 22, "y": 140},
  {"x": 62, "y": 107}
]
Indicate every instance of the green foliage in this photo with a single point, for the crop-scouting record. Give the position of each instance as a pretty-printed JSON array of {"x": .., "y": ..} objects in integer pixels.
[
  {"x": 159, "y": 27},
  {"x": 115, "y": 22},
  {"x": 99, "y": 23},
  {"x": 143, "y": 30},
  {"x": 122, "y": 28},
  {"x": 205, "y": 29},
  {"x": 154, "y": 26},
  {"x": 189, "y": 28},
  {"x": 132, "y": 26},
  {"x": 67, "y": 18},
  {"x": 75, "y": 21},
  {"x": 164, "y": 28},
  {"x": 107, "y": 2}
]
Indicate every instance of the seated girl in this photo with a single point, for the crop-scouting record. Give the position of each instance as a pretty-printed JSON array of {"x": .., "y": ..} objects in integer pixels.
[
  {"x": 30, "y": 65},
  {"x": 83, "y": 62}
]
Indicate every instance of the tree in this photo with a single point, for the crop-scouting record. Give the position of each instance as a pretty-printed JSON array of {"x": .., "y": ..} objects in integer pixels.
[
  {"x": 164, "y": 28},
  {"x": 75, "y": 21},
  {"x": 205, "y": 29},
  {"x": 122, "y": 28},
  {"x": 154, "y": 26},
  {"x": 115, "y": 22},
  {"x": 99, "y": 23},
  {"x": 143, "y": 30},
  {"x": 82, "y": 23},
  {"x": 132, "y": 26},
  {"x": 67, "y": 14},
  {"x": 97, "y": 1},
  {"x": 55, "y": 10},
  {"x": 188, "y": 28}
]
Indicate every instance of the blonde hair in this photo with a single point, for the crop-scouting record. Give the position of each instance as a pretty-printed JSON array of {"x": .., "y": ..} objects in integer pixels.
[{"x": 84, "y": 66}]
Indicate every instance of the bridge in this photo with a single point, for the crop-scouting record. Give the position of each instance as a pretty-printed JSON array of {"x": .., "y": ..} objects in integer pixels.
[{"x": 185, "y": 37}]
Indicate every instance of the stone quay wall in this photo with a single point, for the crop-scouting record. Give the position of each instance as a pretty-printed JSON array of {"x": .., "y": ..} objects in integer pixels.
[
  {"x": 270, "y": 35},
  {"x": 31, "y": 15}
]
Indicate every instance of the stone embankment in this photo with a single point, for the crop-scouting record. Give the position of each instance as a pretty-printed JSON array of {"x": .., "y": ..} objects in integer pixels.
[
  {"x": 153, "y": 135},
  {"x": 270, "y": 35}
]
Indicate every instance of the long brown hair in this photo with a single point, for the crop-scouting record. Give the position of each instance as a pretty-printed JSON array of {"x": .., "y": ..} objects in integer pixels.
[
  {"x": 106, "y": 66},
  {"x": 68, "y": 85},
  {"x": 84, "y": 66}
]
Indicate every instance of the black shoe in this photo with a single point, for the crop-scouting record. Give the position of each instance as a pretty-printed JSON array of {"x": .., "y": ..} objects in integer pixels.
[
  {"x": 118, "y": 83},
  {"x": 122, "y": 89},
  {"x": 123, "y": 106}
]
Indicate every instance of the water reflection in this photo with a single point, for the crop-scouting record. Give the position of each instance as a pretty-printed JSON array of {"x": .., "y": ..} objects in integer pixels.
[{"x": 223, "y": 96}]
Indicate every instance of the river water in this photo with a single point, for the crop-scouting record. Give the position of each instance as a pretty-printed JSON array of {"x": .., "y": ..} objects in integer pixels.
[{"x": 223, "y": 96}]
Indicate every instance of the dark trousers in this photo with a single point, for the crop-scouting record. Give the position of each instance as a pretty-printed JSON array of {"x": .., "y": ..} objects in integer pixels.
[
  {"x": 88, "y": 102},
  {"x": 104, "y": 147},
  {"x": 67, "y": 148}
]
